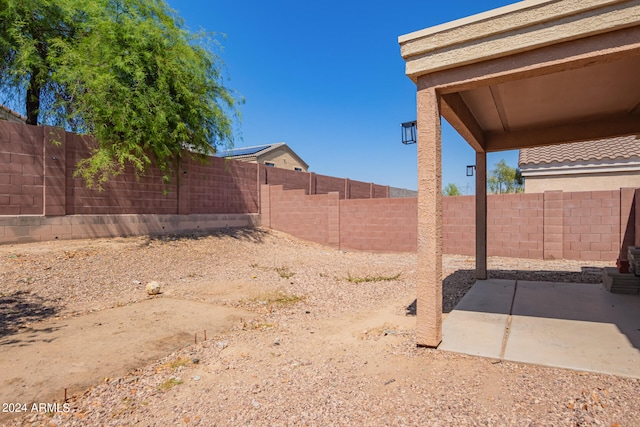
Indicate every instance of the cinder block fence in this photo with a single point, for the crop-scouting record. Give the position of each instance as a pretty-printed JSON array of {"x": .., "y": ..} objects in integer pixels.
[
  {"x": 41, "y": 199},
  {"x": 365, "y": 224},
  {"x": 589, "y": 226}
]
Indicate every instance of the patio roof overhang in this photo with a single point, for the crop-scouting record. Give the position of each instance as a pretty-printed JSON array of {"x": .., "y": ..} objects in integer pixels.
[
  {"x": 534, "y": 73},
  {"x": 537, "y": 72}
]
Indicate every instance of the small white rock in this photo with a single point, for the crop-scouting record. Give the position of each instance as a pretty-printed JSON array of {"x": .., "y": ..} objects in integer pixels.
[{"x": 153, "y": 288}]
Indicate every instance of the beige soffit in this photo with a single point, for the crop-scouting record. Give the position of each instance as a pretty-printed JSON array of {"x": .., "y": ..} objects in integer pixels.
[{"x": 512, "y": 29}]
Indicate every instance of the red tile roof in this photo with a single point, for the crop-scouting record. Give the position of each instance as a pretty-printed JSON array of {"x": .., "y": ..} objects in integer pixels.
[{"x": 623, "y": 147}]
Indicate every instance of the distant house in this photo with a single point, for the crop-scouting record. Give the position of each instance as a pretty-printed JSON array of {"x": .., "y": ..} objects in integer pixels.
[
  {"x": 8, "y": 114},
  {"x": 605, "y": 164},
  {"x": 277, "y": 155}
]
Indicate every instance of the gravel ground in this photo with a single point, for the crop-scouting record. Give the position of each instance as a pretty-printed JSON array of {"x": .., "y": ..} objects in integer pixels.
[{"x": 331, "y": 344}]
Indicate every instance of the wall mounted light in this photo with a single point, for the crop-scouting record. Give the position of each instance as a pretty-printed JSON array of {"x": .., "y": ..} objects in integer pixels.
[
  {"x": 409, "y": 132},
  {"x": 470, "y": 169}
]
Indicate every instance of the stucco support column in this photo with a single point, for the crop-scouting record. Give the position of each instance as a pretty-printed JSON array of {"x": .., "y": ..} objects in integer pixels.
[
  {"x": 481, "y": 215},
  {"x": 637, "y": 224},
  {"x": 429, "y": 286}
]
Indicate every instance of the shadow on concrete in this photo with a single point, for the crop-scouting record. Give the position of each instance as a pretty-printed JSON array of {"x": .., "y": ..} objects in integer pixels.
[
  {"x": 456, "y": 285},
  {"x": 552, "y": 318},
  {"x": 579, "y": 302},
  {"x": 585, "y": 275},
  {"x": 21, "y": 308},
  {"x": 552, "y": 295}
]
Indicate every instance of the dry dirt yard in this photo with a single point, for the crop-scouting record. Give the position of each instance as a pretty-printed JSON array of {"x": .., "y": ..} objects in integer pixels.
[{"x": 297, "y": 335}]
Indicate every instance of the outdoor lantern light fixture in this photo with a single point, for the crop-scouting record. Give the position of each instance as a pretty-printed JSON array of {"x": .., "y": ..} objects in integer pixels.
[
  {"x": 409, "y": 132},
  {"x": 470, "y": 169}
]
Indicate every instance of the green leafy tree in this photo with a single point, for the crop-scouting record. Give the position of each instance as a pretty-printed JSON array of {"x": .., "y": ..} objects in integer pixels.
[
  {"x": 130, "y": 74},
  {"x": 505, "y": 179},
  {"x": 31, "y": 33},
  {"x": 451, "y": 190}
]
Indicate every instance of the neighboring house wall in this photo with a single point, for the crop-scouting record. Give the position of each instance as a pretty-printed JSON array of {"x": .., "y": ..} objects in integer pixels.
[
  {"x": 282, "y": 158},
  {"x": 582, "y": 182},
  {"x": 278, "y": 155},
  {"x": 598, "y": 165}
]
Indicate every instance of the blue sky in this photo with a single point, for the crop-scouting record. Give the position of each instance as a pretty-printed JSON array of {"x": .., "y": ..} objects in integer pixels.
[{"x": 327, "y": 78}]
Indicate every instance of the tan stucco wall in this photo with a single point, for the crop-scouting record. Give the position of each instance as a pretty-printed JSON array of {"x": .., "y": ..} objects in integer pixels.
[
  {"x": 591, "y": 182},
  {"x": 282, "y": 159}
]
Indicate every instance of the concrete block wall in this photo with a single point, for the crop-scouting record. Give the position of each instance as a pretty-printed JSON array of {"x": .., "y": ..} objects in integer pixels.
[
  {"x": 553, "y": 228},
  {"x": 37, "y": 178},
  {"x": 587, "y": 226},
  {"x": 308, "y": 217},
  {"x": 21, "y": 169},
  {"x": 380, "y": 191},
  {"x": 289, "y": 179},
  {"x": 515, "y": 225},
  {"x": 220, "y": 186},
  {"x": 326, "y": 184},
  {"x": 629, "y": 220},
  {"x": 387, "y": 225},
  {"x": 27, "y": 228},
  {"x": 592, "y": 223},
  {"x": 459, "y": 225},
  {"x": 122, "y": 194},
  {"x": 359, "y": 190}
]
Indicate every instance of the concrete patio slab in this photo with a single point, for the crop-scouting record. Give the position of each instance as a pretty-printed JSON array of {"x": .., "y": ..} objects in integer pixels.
[
  {"x": 577, "y": 326},
  {"x": 477, "y": 325},
  {"x": 568, "y": 325}
]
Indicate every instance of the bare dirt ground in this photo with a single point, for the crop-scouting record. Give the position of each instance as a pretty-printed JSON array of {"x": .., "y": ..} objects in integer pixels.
[{"x": 297, "y": 334}]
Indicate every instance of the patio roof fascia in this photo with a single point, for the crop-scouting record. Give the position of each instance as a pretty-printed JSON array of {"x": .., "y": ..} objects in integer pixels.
[{"x": 513, "y": 29}]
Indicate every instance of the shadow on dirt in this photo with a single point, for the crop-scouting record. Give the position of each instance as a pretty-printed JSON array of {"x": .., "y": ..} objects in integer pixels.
[
  {"x": 248, "y": 234},
  {"x": 20, "y": 308},
  {"x": 456, "y": 285}
]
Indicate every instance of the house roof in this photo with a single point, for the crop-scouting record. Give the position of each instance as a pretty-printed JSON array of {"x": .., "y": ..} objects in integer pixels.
[
  {"x": 249, "y": 151},
  {"x": 619, "y": 148},
  {"x": 258, "y": 150},
  {"x": 7, "y": 113}
]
